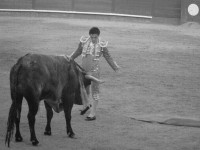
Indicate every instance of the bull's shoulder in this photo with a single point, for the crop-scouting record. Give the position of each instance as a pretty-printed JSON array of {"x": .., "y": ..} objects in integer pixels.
[
  {"x": 33, "y": 62},
  {"x": 42, "y": 61},
  {"x": 38, "y": 57}
]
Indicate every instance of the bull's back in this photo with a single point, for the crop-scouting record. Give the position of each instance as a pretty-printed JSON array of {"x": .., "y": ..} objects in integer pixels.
[
  {"x": 40, "y": 73},
  {"x": 46, "y": 66}
]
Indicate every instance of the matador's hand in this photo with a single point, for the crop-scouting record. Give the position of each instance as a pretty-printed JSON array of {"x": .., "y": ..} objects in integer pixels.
[{"x": 117, "y": 67}]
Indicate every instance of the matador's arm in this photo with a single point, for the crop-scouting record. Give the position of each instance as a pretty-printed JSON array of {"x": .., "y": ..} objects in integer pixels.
[
  {"x": 109, "y": 59},
  {"x": 77, "y": 53}
]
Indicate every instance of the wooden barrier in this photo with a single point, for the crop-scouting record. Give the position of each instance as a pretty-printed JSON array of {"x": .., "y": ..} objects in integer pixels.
[
  {"x": 155, "y": 8},
  {"x": 167, "y": 8},
  {"x": 190, "y": 11}
]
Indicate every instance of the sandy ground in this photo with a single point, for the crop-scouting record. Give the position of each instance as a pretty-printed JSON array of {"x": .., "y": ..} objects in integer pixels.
[{"x": 159, "y": 79}]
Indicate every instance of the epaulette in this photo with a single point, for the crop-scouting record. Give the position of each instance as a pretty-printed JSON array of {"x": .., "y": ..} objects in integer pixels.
[
  {"x": 84, "y": 39},
  {"x": 103, "y": 43}
]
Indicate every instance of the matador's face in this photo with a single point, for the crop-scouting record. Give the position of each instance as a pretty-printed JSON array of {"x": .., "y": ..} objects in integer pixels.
[{"x": 94, "y": 38}]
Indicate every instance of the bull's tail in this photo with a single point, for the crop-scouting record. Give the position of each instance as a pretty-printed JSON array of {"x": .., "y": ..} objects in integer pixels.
[
  {"x": 10, "y": 123},
  {"x": 13, "y": 109}
]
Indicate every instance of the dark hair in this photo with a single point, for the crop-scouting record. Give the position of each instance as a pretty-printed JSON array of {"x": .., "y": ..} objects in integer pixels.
[{"x": 94, "y": 30}]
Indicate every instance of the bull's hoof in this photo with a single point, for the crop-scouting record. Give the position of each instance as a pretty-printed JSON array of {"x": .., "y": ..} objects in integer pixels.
[
  {"x": 71, "y": 135},
  {"x": 35, "y": 142},
  {"x": 47, "y": 133},
  {"x": 18, "y": 139}
]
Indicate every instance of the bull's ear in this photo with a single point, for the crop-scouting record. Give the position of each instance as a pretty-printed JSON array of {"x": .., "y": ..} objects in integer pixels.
[{"x": 94, "y": 79}]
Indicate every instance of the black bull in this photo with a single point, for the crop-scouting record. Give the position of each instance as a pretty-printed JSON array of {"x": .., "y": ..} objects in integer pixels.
[{"x": 43, "y": 77}]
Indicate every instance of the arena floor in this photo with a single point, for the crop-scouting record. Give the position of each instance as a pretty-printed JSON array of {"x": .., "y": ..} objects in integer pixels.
[{"x": 159, "y": 79}]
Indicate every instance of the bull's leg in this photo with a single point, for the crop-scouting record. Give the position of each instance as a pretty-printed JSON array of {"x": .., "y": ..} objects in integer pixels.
[
  {"x": 68, "y": 104},
  {"x": 18, "y": 137},
  {"x": 49, "y": 117},
  {"x": 33, "y": 108}
]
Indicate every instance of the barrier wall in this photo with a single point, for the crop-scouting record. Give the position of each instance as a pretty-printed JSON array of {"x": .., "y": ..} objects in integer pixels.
[
  {"x": 155, "y": 8},
  {"x": 190, "y": 11},
  {"x": 167, "y": 8}
]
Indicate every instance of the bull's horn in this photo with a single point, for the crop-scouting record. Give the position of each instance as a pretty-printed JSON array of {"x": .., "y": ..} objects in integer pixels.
[{"x": 94, "y": 79}]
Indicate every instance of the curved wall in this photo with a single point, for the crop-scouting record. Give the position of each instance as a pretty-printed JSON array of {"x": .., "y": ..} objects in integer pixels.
[{"x": 155, "y": 8}]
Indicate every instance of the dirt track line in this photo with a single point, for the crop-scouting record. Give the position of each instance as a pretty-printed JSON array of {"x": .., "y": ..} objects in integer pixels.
[{"x": 173, "y": 122}]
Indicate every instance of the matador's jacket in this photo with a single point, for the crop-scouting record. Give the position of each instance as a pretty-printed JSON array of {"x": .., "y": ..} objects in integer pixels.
[{"x": 91, "y": 54}]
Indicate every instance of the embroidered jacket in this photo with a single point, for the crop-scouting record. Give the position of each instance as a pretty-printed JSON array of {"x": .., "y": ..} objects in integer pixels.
[{"x": 86, "y": 47}]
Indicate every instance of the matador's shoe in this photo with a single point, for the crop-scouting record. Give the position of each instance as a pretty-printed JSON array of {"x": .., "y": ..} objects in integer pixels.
[{"x": 90, "y": 118}]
